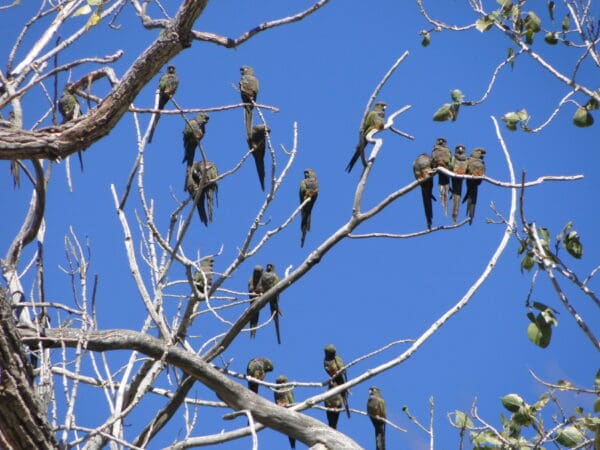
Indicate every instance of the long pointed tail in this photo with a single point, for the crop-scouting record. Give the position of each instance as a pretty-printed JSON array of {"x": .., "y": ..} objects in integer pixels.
[
  {"x": 248, "y": 120},
  {"x": 345, "y": 400},
  {"x": 155, "y": 118},
  {"x": 427, "y": 197},
  {"x": 456, "y": 194},
  {"x": 332, "y": 419},
  {"x": 380, "y": 435},
  {"x": 275, "y": 313}
]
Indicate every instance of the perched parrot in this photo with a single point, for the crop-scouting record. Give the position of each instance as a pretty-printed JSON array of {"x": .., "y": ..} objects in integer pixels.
[
  {"x": 203, "y": 189},
  {"x": 192, "y": 135},
  {"x": 70, "y": 109},
  {"x": 375, "y": 409},
  {"x": 476, "y": 167},
  {"x": 257, "y": 143},
  {"x": 254, "y": 291},
  {"x": 374, "y": 120},
  {"x": 309, "y": 188},
  {"x": 248, "y": 90},
  {"x": 459, "y": 166},
  {"x": 203, "y": 277},
  {"x": 422, "y": 169},
  {"x": 269, "y": 279},
  {"x": 332, "y": 364},
  {"x": 284, "y": 397},
  {"x": 334, "y": 403},
  {"x": 442, "y": 157},
  {"x": 258, "y": 368},
  {"x": 167, "y": 85}
]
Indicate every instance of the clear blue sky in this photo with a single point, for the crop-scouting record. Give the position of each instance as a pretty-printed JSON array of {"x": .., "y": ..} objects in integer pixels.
[{"x": 365, "y": 293}]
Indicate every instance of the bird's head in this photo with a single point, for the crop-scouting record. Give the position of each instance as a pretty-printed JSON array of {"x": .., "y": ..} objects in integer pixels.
[
  {"x": 309, "y": 173},
  {"x": 478, "y": 153},
  {"x": 460, "y": 149},
  {"x": 267, "y": 364},
  {"x": 258, "y": 269},
  {"x": 441, "y": 141},
  {"x": 202, "y": 117},
  {"x": 246, "y": 70},
  {"x": 171, "y": 69},
  {"x": 281, "y": 379},
  {"x": 374, "y": 390},
  {"x": 380, "y": 106},
  {"x": 330, "y": 350},
  {"x": 270, "y": 267}
]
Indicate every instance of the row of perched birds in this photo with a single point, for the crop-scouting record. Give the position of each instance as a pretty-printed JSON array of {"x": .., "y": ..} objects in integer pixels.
[
  {"x": 334, "y": 366},
  {"x": 457, "y": 163},
  {"x": 201, "y": 176},
  {"x": 424, "y": 165}
]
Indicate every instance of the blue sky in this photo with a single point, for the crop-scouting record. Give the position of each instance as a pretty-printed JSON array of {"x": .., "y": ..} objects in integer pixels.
[{"x": 365, "y": 293}]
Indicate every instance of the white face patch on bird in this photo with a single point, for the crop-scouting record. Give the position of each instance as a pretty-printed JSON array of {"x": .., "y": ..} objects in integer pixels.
[{"x": 441, "y": 141}]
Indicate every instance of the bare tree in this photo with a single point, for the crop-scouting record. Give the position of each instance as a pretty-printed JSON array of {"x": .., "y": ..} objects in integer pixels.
[{"x": 178, "y": 283}]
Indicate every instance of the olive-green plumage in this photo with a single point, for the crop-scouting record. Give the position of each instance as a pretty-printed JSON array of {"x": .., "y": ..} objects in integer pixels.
[
  {"x": 475, "y": 167},
  {"x": 167, "y": 85},
  {"x": 70, "y": 109},
  {"x": 203, "y": 276},
  {"x": 269, "y": 279},
  {"x": 422, "y": 170},
  {"x": 334, "y": 403},
  {"x": 193, "y": 132},
  {"x": 309, "y": 189},
  {"x": 203, "y": 188},
  {"x": 376, "y": 410},
  {"x": 375, "y": 120},
  {"x": 258, "y": 368},
  {"x": 284, "y": 397},
  {"x": 333, "y": 363},
  {"x": 254, "y": 292},
  {"x": 257, "y": 143},
  {"x": 459, "y": 166},
  {"x": 249, "y": 91},
  {"x": 441, "y": 156}
]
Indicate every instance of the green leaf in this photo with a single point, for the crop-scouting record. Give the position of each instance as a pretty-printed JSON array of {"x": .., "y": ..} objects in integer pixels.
[
  {"x": 592, "y": 103},
  {"x": 457, "y": 95},
  {"x": 569, "y": 437},
  {"x": 93, "y": 20},
  {"x": 529, "y": 37},
  {"x": 85, "y": 9},
  {"x": 544, "y": 235},
  {"x": 512, "y": 402},
  {"x": 511, "y": 119},
  {"x": 541, "y": 403},
  {"x": 444, "y": 113},
  {"x": 486, "y": 437},
  {"x": 551, "y": 38},
  {"x": 426, "y": 38},
  {"x": 523, "y": 417},
  {"x": 533, "y": 22},
  {"x": 597, "y": 405},
  {"x": 540, "y": 306},
  {"x": 522, "y": 246},
  {"x": 461, "y": 420},
  {"x": 597, "y": 380},
  {"x": 583, "y": 118},
  {"x": 551, "y": 6},
  {"x": 484, "y": 23},
  {"x": 94, "y": 2},
  {"x": 528, "y": 261},
  {"x": 573, "y": 245},
  {"x": 540, "y": 335},
  {"x": 566, "y": 23}
]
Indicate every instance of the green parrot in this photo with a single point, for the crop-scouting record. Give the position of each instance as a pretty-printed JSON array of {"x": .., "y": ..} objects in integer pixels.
[
  {"x": 376, "y": 409},
  {"x": 254, "y": 290},
  {"x": 70, "y": 109},
  {"x": 203, "y": 189},
  {"x": 459, "y": 166},
  {"x": 257, "y": 143},
  {"x": 258, "y": 368},
  {"x": 334, "y": 403},
  {"x": 203, "y": 277},
  {"x": 421, "y": 170},
  {"x": 309, "y": 188},
  {"x": 167, "y": 85},
  {"x": 442, "y": 157},
  {"x": 269, "y": 279},
  {"x": 332, "y": 365},
  {"x": 192, "y": 135},
  {"x": 284, "y": 397},
  {"x": 476, "y": 167},
  {"x": 374, "y": 120},
  {"x": 248, "y": 90}
]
